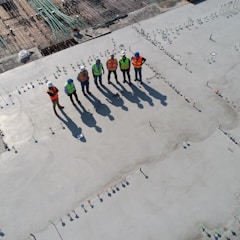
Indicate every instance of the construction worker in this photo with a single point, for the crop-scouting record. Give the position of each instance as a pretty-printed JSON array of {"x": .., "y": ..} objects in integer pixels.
[
  {"x": 137, "y": 62},
  {"x": 52, "y": 91},
  {"x": 112, "y": 65},
  {"x": 97, "y": 71},
  {"x": 83, "y": 78},
  {"x": 70, "y": 90},
  {"x": 125, "y": 66}
]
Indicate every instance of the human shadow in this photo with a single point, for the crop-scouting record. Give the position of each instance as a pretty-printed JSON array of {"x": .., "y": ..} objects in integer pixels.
[
  {"x": 113, "y": 98},
  {"x": 152, "y": 92},
  {"x": 128, "y": 95},
  {"x": 141, "y": 95},
  {"x": 87, "y": 118},
  {"x": 100, "y": 107},
  {"x": 71, "y": 125}
]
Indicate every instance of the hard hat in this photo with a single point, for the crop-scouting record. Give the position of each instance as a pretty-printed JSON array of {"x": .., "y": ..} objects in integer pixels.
[
  {"x": 112, "y": 54},
  {"x": 136, "y": 54},
  {"x": 123, "y": 53},
  {"x": 70, "y": 81},
  {"x": 82, "y": 68},
  {"x": 49, "y": 84}
]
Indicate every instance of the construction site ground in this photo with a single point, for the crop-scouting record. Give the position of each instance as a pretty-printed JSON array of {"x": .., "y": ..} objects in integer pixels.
[{"x": 23, "y": 30}]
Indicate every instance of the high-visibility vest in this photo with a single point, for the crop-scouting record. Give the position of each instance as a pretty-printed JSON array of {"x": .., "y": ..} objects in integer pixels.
[
  {"x": 83, "y": 76},
  {"x": 70, "y": 88},
  {"x": 137, "y": 62},
  {"x": 97, "y": 71},
  {"x": 124, "y": 65},
  {"x": 54, "y": 92},
  {"x": 112, "y": 64}
]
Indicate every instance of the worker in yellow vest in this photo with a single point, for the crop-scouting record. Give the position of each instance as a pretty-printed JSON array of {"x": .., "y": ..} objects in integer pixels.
[
  {"x": 97, "y": 71},
  {"x": 125, "y": 66},
  {"x": 112, "y": 65},
  {"x": 137, "y": 62},
  {"x": 70, "y": 90}
]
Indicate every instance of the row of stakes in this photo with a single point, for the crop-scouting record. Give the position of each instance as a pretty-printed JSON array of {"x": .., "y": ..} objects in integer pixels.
[
  {"x": 220, "y": 94},
  {"x": 7, "y": 148},
  {"x": 19, "y": 90},
  {"x": 159, "y": 45},
  {"x": 233, "y": 139},
  {"x": 85, "y": 207},
  {"x": 110, "y": 191},
  {"x": 168, "y": 35},
  {"x": 173, "y": 87},
  {"x": 216, "y": 235},
  {"x": 230, "y": 8}
]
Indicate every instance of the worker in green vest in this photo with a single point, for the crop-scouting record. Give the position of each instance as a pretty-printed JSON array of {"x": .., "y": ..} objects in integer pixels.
[
  {"x": 97, "y": 71},
  {"x": 70, "y": 90},
  {"x": 125, "y": 66}
]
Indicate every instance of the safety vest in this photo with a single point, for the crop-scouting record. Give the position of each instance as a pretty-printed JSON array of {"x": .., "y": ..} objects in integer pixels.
[
  {"x": 124, "y": 65},
  {"x": 70, "y": 87},
  {"x": 83, "y": 76},
  {"x": 137, "y": 62},
  {"x": 97, "y": 71},
  {"x": 54, "y": 92},
  {"x": 112, "y": 64}
]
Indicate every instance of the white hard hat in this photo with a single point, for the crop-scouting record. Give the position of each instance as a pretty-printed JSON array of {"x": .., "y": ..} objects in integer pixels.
[
  {"x": 123, "y": 53},
  {"x": 82, "y": 68},
  {"x": 49, "y": 84}
]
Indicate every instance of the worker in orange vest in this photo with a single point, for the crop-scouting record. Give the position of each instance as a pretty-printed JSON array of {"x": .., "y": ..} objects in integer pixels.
[
  {"x": 83, "y": 78},
  {"x": 137, "y": 62},
  {"x": 52, "y": 91},
  {"x": 112, "y": 65}
]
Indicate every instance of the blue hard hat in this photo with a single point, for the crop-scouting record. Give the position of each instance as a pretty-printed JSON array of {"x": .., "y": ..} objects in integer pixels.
[
  {"x": 70, "y": 81},
  {"x": 136, "y": 54}
]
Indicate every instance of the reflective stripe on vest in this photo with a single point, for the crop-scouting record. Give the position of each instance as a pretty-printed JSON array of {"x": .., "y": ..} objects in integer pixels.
[
  {"x": 70, "y": 87},
  {"x": 124, "y": 64},
  {"x": 112, "y": 64},
  {"x": 96, "y": 71},
  {"x": 83, "y": 76},
  {"x": 137, "y": 62}
]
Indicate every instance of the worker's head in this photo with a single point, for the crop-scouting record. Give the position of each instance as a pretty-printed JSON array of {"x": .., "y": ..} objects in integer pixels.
[
  {"x": 82, "y": 68},
  {"x": 112, "y": 55},
  {"x": 98, "y": 60},
  {"x": 123, "y": 53},
  {"x": 49, "y": 84},
  {"x": 136, "y": 54},
  {"x": 70, "y": 81}
]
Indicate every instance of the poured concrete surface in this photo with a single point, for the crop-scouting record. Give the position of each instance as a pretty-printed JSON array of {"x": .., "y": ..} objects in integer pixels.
[{"x": 167, "y": 151}]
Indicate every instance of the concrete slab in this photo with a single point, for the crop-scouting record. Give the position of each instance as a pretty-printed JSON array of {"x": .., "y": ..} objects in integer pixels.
[{"x": 158, "y": 159}]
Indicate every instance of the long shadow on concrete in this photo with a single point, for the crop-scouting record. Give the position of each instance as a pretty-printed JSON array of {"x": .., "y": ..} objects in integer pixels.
[
  {"x": 87, "y": 118},
  {"x": 128, "y": 95},
  {"x": 112, "y": 98},
  {"x": 152, "y": 92},
  {"x": 137, "y": 92},
  {"x": 70, "y": 124},
  {"x": 101, "y": 108}
]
